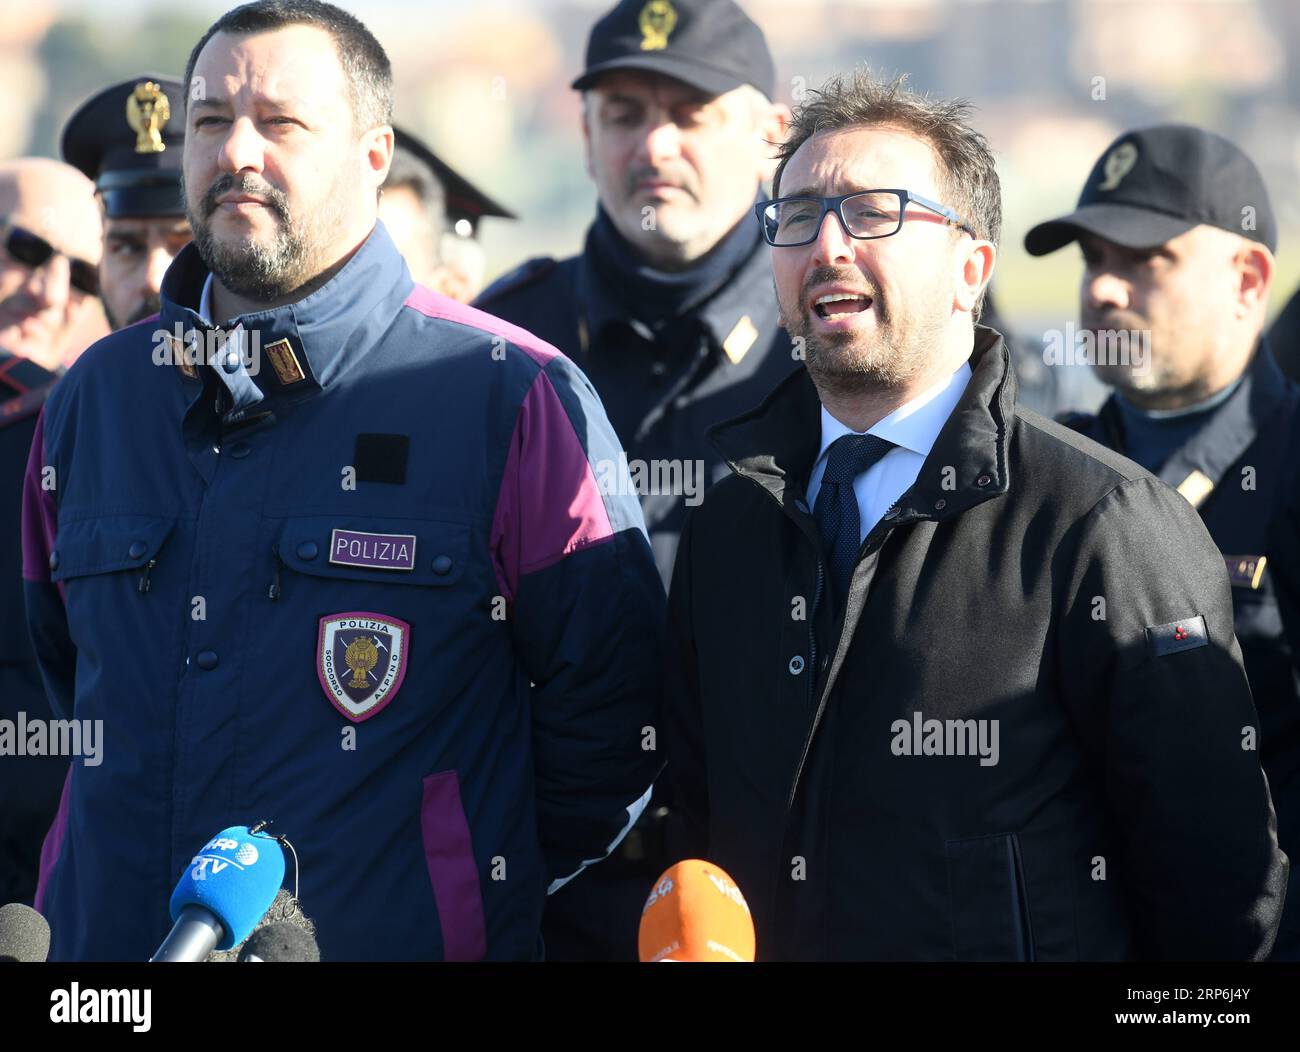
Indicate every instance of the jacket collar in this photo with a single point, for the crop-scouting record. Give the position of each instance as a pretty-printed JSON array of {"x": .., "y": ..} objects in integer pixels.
[
  {"x": 746, "y": 293},
  {"x": 776, "y": 444},
  {"x": 1230, "y": 429},
  {"x": 297, "y": 349}
]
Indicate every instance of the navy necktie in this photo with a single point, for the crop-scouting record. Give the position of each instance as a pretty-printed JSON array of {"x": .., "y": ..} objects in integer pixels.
[{"x": 836, "y": 510}]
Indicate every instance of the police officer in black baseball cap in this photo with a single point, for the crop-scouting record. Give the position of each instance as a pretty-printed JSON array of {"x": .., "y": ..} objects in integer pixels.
[
  {"x": 668, "y": 309},
  {"x": 128, "y": 138},
  {"x": 1178, "y": 235}
]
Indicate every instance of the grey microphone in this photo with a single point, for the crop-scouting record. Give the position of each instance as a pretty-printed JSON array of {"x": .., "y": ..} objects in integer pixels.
[{"x": 24, "y": 934}]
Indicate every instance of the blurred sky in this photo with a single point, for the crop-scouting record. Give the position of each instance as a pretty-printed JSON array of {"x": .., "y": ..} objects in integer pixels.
[{"x": 486, "y": 83}]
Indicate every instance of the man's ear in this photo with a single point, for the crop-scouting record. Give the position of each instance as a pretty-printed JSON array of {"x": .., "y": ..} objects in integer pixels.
[
  {"x": 974, "y": 269},
  {"x": 378, "y": 144},
  {"x": 1255, "y": 269}
]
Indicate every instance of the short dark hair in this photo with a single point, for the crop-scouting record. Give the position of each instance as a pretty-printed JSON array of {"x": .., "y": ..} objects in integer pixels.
[
  {"x": 410, "y": 171},
  {"x": 968, "y": 174},
  {"x": 365, "y": 63}
]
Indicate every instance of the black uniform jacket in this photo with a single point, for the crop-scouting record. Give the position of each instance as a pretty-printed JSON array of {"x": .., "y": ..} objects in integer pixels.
[
  {"x": 1032, "y": 593},
  {"x": 29, "y": 785},
  {"x": 1235, "y": 471}
]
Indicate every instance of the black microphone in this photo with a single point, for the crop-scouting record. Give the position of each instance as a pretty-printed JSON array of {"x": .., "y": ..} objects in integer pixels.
[
  {"x": 280, "y": 942},
  {"x": 284, "y": 911},
  {"x": 24, "y": 934}
]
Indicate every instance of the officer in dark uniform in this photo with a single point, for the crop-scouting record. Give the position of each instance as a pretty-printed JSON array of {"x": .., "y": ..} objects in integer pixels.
[
  {"x": 669, "y": 311},
  {"x": 433, "y": 213},
  {"x": 49, "y": 254},
  {"x": 1178, "y": 238},
  {"x": 128, "y": 139}
]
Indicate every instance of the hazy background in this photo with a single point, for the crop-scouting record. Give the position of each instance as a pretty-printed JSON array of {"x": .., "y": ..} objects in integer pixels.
[{"x": 486, "y": 84}]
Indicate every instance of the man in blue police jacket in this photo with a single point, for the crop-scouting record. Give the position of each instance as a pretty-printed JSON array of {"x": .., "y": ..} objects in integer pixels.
[{"x": 320, "y": 546}]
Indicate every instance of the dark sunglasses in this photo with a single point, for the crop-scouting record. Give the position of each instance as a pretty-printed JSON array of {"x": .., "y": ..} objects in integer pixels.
[{"x": 33, "y": 251}]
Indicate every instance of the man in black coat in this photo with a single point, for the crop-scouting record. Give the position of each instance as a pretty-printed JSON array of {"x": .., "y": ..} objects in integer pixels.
[
  {"x": 947, "y": 680},
  {"x": 1178, "y": 236}
]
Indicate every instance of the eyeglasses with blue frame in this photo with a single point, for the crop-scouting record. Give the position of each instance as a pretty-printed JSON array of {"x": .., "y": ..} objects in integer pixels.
[{"x": 788, "y": 222}]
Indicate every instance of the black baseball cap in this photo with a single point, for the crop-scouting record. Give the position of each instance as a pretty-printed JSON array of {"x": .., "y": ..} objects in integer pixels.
[
  {"x": 709, "y": 44},
  {"x": 1156, "y": 183},
  {"x": 128, "y": 139}
]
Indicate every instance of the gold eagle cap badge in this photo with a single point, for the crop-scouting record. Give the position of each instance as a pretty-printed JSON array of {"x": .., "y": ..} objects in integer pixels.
[
  {"x": 147, "y": 112},
  {"x": 658, "y": 20}
]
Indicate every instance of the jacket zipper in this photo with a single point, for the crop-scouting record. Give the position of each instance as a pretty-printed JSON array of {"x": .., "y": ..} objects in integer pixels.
[{"x": 144, "y": 576}]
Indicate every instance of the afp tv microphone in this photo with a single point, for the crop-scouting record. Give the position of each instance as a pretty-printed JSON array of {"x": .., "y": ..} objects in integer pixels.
[
  {"x": 225, "y": 890},
  {"x": 695, "y": 912}
]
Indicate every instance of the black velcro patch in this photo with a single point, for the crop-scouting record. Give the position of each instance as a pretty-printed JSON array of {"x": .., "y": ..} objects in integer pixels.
[
  {"x": 381, "y": 458},
  {"x": 1178, "y": 635}
]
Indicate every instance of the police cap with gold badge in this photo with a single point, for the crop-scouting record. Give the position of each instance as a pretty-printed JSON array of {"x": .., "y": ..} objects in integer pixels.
[
  {"x": 1152, "y": 184},
  {"x": 128, "y": 139},
  {"x": 709, "y": 44}
]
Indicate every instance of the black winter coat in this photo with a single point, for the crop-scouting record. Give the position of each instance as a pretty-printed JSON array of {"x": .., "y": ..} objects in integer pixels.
[{"x": 1044, "y": 590}]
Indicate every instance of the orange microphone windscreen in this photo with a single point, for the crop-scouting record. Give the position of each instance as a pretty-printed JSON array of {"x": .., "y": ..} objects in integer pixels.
[{"x": 695, "y": 912}]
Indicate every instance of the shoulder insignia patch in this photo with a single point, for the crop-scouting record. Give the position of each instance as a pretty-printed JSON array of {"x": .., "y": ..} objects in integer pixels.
[
  {"x": 1245, "y": 571},
  {"x": 1195, "y": 488},
  {"x": 1177, "y": 636}
]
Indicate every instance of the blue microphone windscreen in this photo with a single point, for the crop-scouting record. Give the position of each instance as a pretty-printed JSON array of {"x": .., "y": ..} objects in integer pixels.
[{"x": 235, "y": 875}]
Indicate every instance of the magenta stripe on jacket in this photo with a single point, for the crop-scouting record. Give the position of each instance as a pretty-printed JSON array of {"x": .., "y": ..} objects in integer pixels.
[
  {"x": 449, "y": 855},
  {"x": 550, "y": 503}
]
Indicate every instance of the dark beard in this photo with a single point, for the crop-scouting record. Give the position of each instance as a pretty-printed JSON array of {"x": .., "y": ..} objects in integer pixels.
[
  {"x": 846, "y": 363},
  {"x": 253, "y": 270}
]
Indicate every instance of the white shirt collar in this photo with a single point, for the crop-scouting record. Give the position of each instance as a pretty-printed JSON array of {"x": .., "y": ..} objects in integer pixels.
[
  {"x": 205, "y": 301},
  {"x": 913, "y": 425}
]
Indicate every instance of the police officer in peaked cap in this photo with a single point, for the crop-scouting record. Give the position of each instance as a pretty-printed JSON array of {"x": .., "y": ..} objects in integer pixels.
[{"x": 128, "y": 139}]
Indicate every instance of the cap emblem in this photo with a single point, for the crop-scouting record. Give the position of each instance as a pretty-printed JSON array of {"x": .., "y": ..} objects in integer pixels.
[
  {"x": 1119, "y": 162},
  {"x": 147, "y": 110},
  {"x": 658, "y": 19}
]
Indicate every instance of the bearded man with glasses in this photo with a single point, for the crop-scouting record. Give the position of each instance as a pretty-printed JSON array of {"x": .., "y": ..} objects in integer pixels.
[{"x": 948, "y": 681}]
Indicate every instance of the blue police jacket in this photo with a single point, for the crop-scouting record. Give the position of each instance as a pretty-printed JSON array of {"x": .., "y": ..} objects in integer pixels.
[{"x": 365, "y": 568}]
